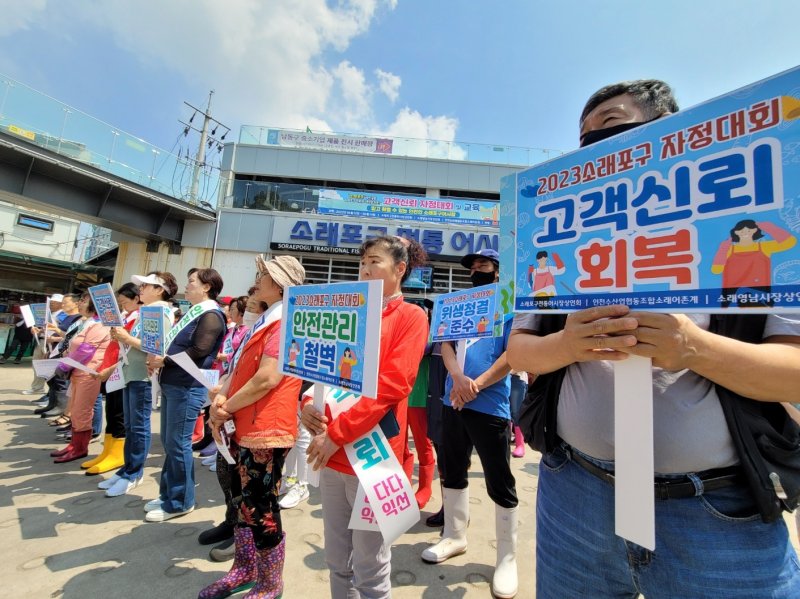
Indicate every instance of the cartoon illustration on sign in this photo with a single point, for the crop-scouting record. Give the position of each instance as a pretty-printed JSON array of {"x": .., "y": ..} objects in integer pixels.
[
  {"x": 541, "y": 277},
  {"x": 346, "y": 364},
  {"x": 745, "y": 261},
  {"x": 294, "y": 353}
]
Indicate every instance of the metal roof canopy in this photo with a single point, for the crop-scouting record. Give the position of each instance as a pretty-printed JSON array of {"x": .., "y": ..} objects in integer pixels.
[{"x": 35, "y": 177}]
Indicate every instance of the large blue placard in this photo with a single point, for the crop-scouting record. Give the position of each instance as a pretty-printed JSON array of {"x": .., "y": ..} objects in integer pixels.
[
  {"x": 154, "y": 325},
  {"x": 330, "y": 334},
  {"x": 695, "y": 212},
  {"x": 468, "y": 314}
]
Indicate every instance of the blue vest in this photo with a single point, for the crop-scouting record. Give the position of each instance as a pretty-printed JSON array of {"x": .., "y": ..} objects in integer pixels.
[{"x": 172, "y": 374}]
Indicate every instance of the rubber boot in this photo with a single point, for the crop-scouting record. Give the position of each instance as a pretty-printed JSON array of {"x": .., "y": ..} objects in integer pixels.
[
  {"x": 504, "y": 581},
  {"x": 454, "y": 536},
  {"x": 519, "y": 443},
  {"x": 80, "y": 447},
  {"x": 423, "y": 494},
  {"x": 408, "y": 464},
  {"x": 244, "y": 571},
  {"x": 199, "y": 429},
  {"x": 106, "y": 448},
  {"x": 59, "y": 452},
  {"x": 114, "y": 459},
  {"x": 270, "y": 572}
]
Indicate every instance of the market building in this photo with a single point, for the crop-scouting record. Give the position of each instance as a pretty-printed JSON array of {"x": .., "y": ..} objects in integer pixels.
[{"x": 319, "y": 196}]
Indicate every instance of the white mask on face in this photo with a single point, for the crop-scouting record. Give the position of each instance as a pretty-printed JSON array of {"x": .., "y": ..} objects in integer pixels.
[{"x": 250, "y": 318}]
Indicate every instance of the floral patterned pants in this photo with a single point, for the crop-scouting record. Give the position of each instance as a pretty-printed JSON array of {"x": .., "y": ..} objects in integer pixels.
[{"x": 255, "y": 492}]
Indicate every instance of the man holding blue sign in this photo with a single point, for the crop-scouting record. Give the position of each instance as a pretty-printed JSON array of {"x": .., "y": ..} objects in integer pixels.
[
  {"x": 710, "y": 541},
  {"x": 476, "y": 414}
]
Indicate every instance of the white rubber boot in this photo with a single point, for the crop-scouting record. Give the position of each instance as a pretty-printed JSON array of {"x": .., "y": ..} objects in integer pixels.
[
  {"x": 504, "y": 582},
  {"x": 454, "y": 536}
]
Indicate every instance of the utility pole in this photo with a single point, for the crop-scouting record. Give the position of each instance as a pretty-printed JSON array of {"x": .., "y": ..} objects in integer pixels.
[{"x": 206, "y": 140}]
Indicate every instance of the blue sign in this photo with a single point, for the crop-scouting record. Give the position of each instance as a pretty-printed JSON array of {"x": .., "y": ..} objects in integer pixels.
[
  {"x": 694, "y": 212},
  {"x": 406, "y": 207},
  {"x": 105, "y": 304},
  {"x": 330, "y": 334},
  {"x": 154, "y": 323},
  {"x": 468, "y": 314},
  {"x": 346, "y": 238},
  {"x": 421, "y": 277}
]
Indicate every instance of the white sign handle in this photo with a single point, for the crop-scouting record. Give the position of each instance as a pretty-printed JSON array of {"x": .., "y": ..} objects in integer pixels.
[
  {"x": 319, "y": 404},
  {"x": 634, "y": 500}
]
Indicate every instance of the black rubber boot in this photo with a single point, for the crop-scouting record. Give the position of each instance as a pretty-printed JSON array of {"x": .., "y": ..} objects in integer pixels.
[{"x": 219, "y": 533}]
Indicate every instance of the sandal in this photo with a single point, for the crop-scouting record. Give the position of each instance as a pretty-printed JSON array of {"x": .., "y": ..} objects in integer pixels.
[{"x": 60, "y": 421}]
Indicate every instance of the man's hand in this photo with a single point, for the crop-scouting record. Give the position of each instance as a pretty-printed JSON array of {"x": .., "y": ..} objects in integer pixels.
[
  {"x": 669, "y": 339},
  {"x": 320, "y": 450},
  {"x": 313, "y": 419},
  {"x": 464, "y": 389},
  {"x": 601, "y": 333}
]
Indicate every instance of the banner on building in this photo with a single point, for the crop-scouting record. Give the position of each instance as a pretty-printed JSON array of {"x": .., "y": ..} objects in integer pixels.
[{"x": 324, "y": 141}]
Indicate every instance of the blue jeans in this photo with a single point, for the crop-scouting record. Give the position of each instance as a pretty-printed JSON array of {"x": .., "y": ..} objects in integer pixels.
[
  {"x": 97, "y": 415},
  {"x": 180, "y": 407},
  {"x": 137, "y": 407},
  {"x": 518, "y": 390},
  {"x": 709, "y": 546}
]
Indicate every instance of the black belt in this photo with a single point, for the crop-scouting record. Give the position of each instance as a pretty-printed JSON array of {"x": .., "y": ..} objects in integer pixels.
[{"x": 672, "y": 488}]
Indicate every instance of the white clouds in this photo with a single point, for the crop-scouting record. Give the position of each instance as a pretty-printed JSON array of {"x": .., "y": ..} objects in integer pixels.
[
  {"x": 441, "y": 129},
  {"x": 389, "y": 84},
  {"x": 19, "y": 15},
  {"x": 275, "y": 63}
]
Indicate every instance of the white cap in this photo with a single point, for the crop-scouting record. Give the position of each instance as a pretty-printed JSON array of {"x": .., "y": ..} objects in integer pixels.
[
  {"x": 56, "y": 297},
  {"x": 150, "y": 280}
]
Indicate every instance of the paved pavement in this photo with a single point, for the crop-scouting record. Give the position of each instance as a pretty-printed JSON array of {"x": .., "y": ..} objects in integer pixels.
[{"x": 61, "y": 537}]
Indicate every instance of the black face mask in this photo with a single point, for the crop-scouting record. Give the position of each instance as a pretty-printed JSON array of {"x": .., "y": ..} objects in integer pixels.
[
  {"x": 479, "y": 278},
  {"x": 592, "y": 137}
]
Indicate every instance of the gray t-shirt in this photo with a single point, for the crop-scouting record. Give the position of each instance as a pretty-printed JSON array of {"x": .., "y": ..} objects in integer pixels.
[{"x": 690, "y": 433}]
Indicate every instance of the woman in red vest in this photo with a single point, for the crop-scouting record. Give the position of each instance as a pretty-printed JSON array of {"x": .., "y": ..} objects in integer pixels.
[{"x": 262, "y": 403}]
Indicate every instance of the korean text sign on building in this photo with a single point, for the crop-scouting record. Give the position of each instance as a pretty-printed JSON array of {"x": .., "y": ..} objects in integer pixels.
[
  {"x": 154, "y": 322},
  {"x": 467, "y": 314},
  {"x": 105, "y": 303},
  {"x": 330, "y": 334},
  {"x": 695, "y": 212}
]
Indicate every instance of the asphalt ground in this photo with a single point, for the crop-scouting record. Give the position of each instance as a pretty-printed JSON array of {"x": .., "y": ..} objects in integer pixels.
[{"x": 61, "y": 537}]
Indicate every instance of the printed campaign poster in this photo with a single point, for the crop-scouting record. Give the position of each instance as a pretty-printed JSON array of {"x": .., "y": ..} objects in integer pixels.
[
  {"x": 39, "y": 312},
  {"x": 695, "y": 212},
  {"x": 468, "y": 314},
  {"x": 324, "y": 334},
  {"x": 406, "y": 207},
  {"x": 105, "y": 303},
  {"x": 155, "y": 323}
]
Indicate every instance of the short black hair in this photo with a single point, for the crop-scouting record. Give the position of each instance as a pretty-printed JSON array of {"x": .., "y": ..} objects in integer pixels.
[
  {"x": 210, "y": 277},
  {"x": 129, "y": 290},
  {"x": 652, "y": 96}
]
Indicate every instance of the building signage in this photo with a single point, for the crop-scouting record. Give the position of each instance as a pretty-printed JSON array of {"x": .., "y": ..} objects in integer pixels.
[
  {"x": 344, "y": 238},
  {"x": 323, "y": 141}
]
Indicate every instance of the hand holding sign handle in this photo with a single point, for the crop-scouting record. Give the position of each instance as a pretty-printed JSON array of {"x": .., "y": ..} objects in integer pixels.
[{"x": 313, "y": 418}]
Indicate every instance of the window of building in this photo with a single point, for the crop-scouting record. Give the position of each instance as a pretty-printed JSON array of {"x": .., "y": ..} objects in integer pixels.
[{"x": 34, "y": 222}]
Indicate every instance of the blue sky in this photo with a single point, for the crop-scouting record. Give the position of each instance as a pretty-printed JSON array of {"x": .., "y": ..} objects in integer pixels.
[{"x": 509, "y": 72}]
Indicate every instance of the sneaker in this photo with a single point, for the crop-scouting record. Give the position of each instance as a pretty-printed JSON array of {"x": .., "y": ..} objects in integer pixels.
[
  {"x": 159, "y": 515},
  {"x": 286, "y": 484},
  {"x": 32, "y": 391},
  {"x": 155, "y": 504},
  {"x": 294, "y": 496},
  {"x": 122, "y": 486},
  {"x": 208, "y": 460},
  {"x": 109, "y": 482},
  {"x": 208, "y": 450},
  {"x": 213, "y": 467},
  {"x": 2, "y": 360},
  {"x": 224, "y": 551},
  {"x": 16, "y": 362},
  {"x": 41, "y": 403}
]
